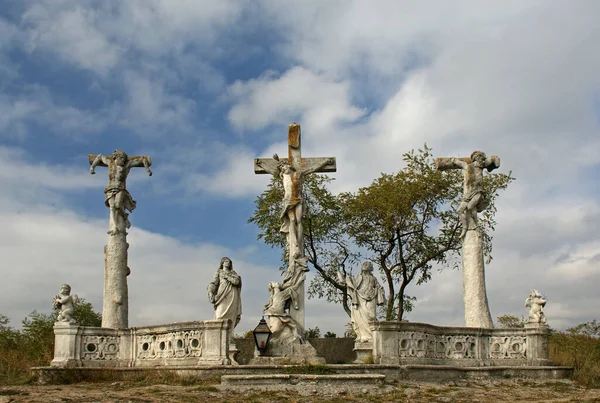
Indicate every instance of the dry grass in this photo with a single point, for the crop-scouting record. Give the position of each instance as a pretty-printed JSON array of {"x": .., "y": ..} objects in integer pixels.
[{"x": 579, "y": 351}]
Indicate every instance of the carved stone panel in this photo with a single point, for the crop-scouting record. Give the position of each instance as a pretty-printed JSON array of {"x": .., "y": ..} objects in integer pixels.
[
  {"x": 100, "y": 347},
  {"x": 508, "y": 347},
  {"x": 425, "y": 345},
  {"x": 180, "y": 344}
]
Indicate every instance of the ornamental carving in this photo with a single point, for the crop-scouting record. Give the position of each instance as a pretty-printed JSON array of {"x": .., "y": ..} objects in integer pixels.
[
  {"x": 508, "y": 347},
  {"x": 100, "y": 347},
  {"x": 424, "y": 345},
  {"x": 180, "y": 344}
]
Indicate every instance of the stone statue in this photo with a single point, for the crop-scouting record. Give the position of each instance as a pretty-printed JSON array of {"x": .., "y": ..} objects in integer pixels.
[
  {"x": 115, "y": 301},
  {"x": 284, "y": 328},
  {"x": 292, "y": 210},
  {"x": 65, "y": 302},
  {"x": 473, "y": 200},
  {"x": 118, "y": 198},
  {"x": 295, "y": 273},
  {"x": 477, "y": 311},
  {"x": 225, "y": 293},
  {"x": 366, "y": 294},
  {"x": 535, "y": 303}
]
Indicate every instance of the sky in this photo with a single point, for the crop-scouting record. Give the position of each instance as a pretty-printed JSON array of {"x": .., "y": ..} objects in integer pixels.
[{"x": 204, "y": 87}]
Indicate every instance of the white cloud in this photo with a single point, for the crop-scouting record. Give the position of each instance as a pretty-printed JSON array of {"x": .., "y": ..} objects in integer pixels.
[
  {"x": 70, "y": 29},
  {"x": 99, "y": 37},
  {"x": 298, "y": 93},
  {"x": 35, "y": 104},
  {"x": 150, "y": 108}
]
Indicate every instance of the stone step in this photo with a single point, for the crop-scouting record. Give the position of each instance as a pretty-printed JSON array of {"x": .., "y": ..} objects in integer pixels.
[{"x": 294, "y": 379}]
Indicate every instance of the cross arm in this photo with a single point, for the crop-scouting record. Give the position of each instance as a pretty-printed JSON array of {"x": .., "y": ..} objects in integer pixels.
[
  {"x": 318, "y": 164},
  {"x": 442, "y": 164},
  {"x": 266, "y": 166}
]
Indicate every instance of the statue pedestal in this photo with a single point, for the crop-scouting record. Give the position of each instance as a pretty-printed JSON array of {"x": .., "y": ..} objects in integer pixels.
[
  {"x": 364, "y": 352},
  {"x": 295, "y": 353},
  {"x": 233, "y": 352},
  {"x": 67, "y": 345},
  {"x": 287, "y": 344}
]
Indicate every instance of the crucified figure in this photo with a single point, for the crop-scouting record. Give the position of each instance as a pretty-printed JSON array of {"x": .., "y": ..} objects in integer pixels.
[
  {"x": 473, "y": 200},
  {"x": 118, "y": 199},
  {"x": 293, "y": 208}
]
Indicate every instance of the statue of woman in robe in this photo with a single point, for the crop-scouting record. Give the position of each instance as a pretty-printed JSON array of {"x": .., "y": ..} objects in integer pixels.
[{"x": 224, "y": 292}]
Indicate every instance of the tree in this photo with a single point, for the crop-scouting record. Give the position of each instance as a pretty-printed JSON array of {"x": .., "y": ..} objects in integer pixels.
[
  {"x": 404, "y": 223},
  {"x": 312, "y": 333},
  {"x": 38, "y": 328},
  {"x": 510, "y": 321},
  {"x": 591, "y": 329},
  {"x": 326, "y": 245},
  {"x": 407, "y": 222}
]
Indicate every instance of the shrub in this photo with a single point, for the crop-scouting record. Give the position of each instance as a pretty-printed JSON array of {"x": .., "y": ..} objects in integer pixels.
[{"x": 580, "y": 351}]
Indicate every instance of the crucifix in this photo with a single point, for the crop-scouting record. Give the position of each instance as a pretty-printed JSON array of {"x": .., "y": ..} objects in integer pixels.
[
  {"x": 477, "y": 311},
  {"x": 115, "y": 302},
  {"x": 292, "y": 171}
]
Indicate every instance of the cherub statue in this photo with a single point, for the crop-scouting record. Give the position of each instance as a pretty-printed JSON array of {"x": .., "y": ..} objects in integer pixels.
[
  {"x": 536, "y": 302},
  {"x": 65, "y": 301}
]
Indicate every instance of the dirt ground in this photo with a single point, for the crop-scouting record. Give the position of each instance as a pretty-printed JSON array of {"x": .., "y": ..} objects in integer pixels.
[{"x": 464, "y": 391}]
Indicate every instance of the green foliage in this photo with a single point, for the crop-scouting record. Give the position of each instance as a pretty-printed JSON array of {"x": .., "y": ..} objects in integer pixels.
[
  {"x": 407, "y": 222},
  {"x": 313, "y": 333},
  {"x": 326, "y": 245},
  {"x": 404, "y": 222},
  {"x": 510, "y": 321},
  {"x": 33, "y": 345},
  {"x": 330, "y": 335},
  {"x": 84, "y": 314}
]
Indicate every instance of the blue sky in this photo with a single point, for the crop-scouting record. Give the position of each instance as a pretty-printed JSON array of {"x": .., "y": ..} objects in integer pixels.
[{"x": 203, "y": 87}]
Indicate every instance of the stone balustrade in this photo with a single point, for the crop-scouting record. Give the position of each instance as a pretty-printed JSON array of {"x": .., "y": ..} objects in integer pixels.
[
  {"x": 405, "y": 343},
  {"x": 175, "y": 344}
]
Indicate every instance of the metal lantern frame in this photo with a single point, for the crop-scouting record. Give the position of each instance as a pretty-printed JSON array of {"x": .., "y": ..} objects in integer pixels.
[{"x": 262, "y": 335}]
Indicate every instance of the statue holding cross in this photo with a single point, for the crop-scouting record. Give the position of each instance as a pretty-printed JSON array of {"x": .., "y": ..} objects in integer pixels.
[
  {"x": 115, "y": 301},
  {"x": 292, "y": 171}
]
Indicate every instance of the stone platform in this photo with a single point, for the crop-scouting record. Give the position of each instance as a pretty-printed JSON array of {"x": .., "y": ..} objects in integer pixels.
[
  {"x": 392, "y": 373},
  {"x": 295, "y": 379}
]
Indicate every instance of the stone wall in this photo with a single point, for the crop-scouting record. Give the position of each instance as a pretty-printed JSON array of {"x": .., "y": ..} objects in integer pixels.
[
  {"x": 184, "y": 343},
  {"x": 334, "y": 350},
  {"x": 419, "y": 343}
]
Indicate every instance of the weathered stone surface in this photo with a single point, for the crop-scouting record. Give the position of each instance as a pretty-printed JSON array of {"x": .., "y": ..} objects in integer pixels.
[
  {"x": 64, "y": 302},
  {"x": 536, "y": 303},
  {"x": 366, "y": 293},
  {"x": 477, "y": 313},
  {"x": 423, "y": 344},
  {"x": 115, "y": 303},
  {"x": 258, "y": 379},
  {"x": 225, "y": 293},
  {"x": 292, "y": 172},
  {"x": 185, "y": 343}
]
